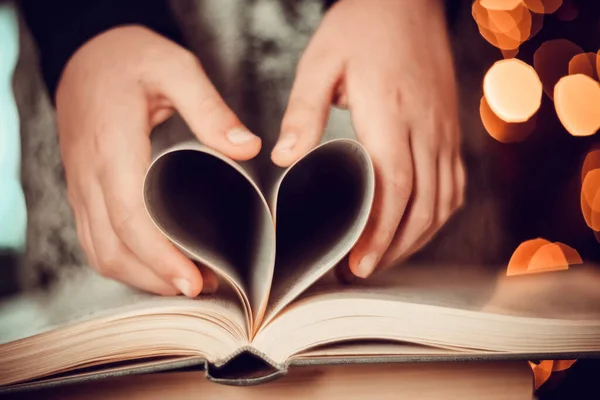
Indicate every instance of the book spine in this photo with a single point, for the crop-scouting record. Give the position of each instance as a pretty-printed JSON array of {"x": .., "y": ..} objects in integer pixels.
[{"x": 245, "y": 367}]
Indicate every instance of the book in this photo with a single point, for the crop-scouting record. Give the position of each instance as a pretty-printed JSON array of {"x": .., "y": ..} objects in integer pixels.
[
  {"x": 274, "y": 236},
  {"x": 493, "y": 381}
]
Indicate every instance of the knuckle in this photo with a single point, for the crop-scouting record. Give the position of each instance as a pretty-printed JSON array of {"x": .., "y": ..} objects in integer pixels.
[
  {"x": 425, "y": 217},
  {"x": 392, "y": 96},
  {"x": 402, "y": 184},
  {"x": 430, "y": 146},
  {"x": 208, "y": 105},
  {"x": 122, "y": 223},
  {"x": 182, "y": 61},
  {"x": 188, "y": 59},
  {"x": 109, "y": 261},
  {"x": 107, "y": 266},
  {"x": 299, "y": 113},
  {"x": 122, "y": 213}
]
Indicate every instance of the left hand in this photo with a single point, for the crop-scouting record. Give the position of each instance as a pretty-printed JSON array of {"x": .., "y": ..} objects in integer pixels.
[{"x": 389, "y": 62}]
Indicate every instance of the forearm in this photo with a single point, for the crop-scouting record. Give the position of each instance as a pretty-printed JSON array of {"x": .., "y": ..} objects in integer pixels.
[{"x": 61, "y": 27}]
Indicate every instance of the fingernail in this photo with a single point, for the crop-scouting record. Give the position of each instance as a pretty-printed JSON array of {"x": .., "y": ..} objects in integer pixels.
[
  {"x": 184, "y": 286},
  {"x": 286, "y": 143},
  {"x": 366, "y": 265},
  {"x": 239, "y": 136},
  {"x": 210, "y": 285}
]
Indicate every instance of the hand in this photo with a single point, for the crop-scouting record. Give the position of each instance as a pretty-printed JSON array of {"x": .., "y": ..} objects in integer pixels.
[
  {"x": 113, "y": 91},
  {"x": 389, "y": 62}
]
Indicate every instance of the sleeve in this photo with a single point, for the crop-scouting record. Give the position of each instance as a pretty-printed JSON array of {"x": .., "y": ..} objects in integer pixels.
[{"x": 61, "y": 27}]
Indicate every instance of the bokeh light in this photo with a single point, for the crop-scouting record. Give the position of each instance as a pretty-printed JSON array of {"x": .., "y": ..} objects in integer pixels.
[
  {"x": 500, "y": 4},
  {"x": 502, "y": 131},
  {"x": 519, "y": 262},
  {"x": 584, "y": 63},
  {"x": 509, "y": 53},
  {"x": 512, "y": 90},
  {"x": 512, "y": 97},
  {"x": 537, "y": 23},
  {"x": 544, "y": 369},
  {"x": 591, "y": 162},
  {"x": 590, "y": 199},
  {"x": 504, "y": 29},
  {"x": 543, "y": 6},
  {"x": 567, "y": 12},
  {"x": 577, "y": 103},
  {"x": 551, "y": 61},
  {"x": 598, "y": 63},
  {"x": 540, "y": 255}
]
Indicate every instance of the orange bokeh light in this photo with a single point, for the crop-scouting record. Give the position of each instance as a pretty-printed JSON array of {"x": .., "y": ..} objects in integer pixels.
[
  {"x": 519, "y": 262},
  {"x": 548, "y": 258},
  {"x": 577, "y": 103},
  {"x": 513, "y": 90},
  {"x": 567, "y": 12},
  {"x": 505, "y": 29},
  {"x": 590, "y": 189},
  {"x": 537, "y": 22},
  {"x": 543, "y": 6},
  {"x": 509, "y": 53},
  {"x": 500, "y": 4},
  {"x": 540, "y": 255},
  {"x": 598, "y": 63},
  {"x": 551, "y": 61},
  {"x": 503, "y": 131},
  {"x": 590, "y": 199},
  {"x": 591, "y": 162},
  {"x": 584, "y": 63},
  {"x": 543, "y": 370}
]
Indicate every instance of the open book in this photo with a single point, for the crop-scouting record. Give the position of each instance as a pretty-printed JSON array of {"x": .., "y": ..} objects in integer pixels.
[{"x": 273, "y": 237}]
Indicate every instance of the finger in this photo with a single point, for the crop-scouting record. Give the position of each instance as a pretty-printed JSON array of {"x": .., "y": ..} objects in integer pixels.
[
  {"x": 209, "y": 118},
  {"x": 421, "y": 215},
  {"x": 308, "y": 107},
  {"x": 343, "y": 273},
  {"x": 460, "y": 179},
  {"x": 382, "y": 131},
  {"x": 121, "y": 181},
  {"x": 119, "y": 263},
  {"x": 210, "y": 281},
  {"x": 447, "y": 185},
  {"x": 128, "y": 269},
  {"x": 85, "y": 237},
  {"x": 113, "y": 259}
]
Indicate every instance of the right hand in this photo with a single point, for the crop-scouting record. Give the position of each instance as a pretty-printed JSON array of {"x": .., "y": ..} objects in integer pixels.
[{"x": 113, "y": 91}]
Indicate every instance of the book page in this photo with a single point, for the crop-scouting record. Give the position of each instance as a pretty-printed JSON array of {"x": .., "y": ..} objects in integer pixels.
[
  {"x": 321, "y": 206},
  {"x": 571, "y": 294},
  {"x": 480, "y": 310},
  {"x": 87, "y": 321},
  {"x": 373, "y": 348},
  {"x": 211, "y": 209},
  {"x": 83, "y": 295}
]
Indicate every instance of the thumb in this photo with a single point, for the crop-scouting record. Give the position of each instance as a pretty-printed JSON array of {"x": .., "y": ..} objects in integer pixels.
[
  {"x": 193, "y": 95},
  {"x": 308, "y": 107}
]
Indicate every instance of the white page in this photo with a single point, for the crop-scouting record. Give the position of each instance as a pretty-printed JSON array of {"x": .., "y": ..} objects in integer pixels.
[
  {"x": 83, "y": 295},
  {"x": 211, "y": 209}
]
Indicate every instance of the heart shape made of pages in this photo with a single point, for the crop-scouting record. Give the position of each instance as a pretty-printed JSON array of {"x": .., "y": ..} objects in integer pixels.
[{"x": 270, "y": 233}]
